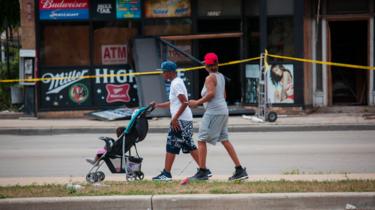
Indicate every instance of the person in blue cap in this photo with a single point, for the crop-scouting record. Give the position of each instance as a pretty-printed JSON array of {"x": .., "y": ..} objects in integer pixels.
[{"x": 181, "y": 127}]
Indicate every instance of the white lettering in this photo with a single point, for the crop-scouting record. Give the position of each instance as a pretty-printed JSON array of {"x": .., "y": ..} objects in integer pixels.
[
  {"x": 50, "y": 4},
  {"x": 60, "y": 81},
  {"x": 119, "y": 77},
  {"x": 104, "y": 8}
]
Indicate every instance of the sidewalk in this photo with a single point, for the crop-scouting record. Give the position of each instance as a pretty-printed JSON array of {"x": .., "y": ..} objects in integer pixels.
[{"x": 310, "y": 122}]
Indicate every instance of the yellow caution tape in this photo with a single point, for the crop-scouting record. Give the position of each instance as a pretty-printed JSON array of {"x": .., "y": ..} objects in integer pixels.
[
  {"x": 127, "y": 74},
  {"x": 266, "y": 65},
  {"x": 323, "y": 62},
  {"x": 266, "y": 55}
]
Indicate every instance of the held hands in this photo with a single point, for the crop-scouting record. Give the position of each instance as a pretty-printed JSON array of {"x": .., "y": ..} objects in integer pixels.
[
  {"x": 193, "y": 103},
  {"x": 154, "y": 104}
]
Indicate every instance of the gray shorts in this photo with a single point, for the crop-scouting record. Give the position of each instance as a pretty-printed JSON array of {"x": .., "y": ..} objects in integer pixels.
[{"x": 213, "y": 128}]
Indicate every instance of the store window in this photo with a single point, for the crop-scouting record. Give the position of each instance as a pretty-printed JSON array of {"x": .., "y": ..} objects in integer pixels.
[
  {"x": 252, "y": 7},
  {"x": 219, "y": 8},
  {"x": 275, "y": 7},
  {"x": 347, "y": 6},
  {"x": 65, "y": 44},
  {"x": 112, "y": 42},
  {"x": 157, "y": 27},
  {"x": 280, "y": 36},
  {"x": 253, "y": 37}
]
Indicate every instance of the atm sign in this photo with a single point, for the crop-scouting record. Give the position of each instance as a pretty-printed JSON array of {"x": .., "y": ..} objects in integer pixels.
[{"x": 114, "y": 54}]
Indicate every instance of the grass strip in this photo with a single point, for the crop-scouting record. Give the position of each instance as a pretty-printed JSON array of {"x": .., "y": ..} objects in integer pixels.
[{"x": 173, "y": 187}]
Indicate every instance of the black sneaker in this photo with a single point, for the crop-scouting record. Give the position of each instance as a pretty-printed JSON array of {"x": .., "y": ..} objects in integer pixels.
[
  {"x": 239, "y": 174},
  {"x": 209, "y": 173},
  {"x": 163, "y": 176},
  {"x": 202, "y": 174}
]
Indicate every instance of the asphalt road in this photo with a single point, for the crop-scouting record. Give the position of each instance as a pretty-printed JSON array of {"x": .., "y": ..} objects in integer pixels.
[{"x": 261, "y": 153}]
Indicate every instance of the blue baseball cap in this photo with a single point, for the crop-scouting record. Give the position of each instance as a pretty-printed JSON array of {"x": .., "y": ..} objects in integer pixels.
[{"x": 168, "y": 66}]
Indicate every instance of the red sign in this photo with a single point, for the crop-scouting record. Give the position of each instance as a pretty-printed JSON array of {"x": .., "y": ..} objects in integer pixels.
[
  {"x": 117, "y": 93},
  {"x": 114, "y": 54},
  {"x": 63, "y": 4}
]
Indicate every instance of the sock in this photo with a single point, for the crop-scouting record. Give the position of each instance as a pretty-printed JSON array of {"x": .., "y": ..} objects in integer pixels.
[
  {"x": 203, "y": 169},
  {"x": 238, "y": 167},
  {"x": 168, "y": 172}
]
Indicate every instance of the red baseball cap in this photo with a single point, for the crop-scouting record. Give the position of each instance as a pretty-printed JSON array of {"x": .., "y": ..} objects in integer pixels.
[{"x": 210, "y": 59}]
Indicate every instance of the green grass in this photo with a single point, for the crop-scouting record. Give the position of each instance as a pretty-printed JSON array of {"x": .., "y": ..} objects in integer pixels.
[{"x": 211, "y": 187}]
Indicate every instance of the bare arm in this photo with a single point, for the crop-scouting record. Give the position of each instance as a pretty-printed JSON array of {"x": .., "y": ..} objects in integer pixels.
[
  {"x": 210, "y": 84},
  {"x": 164, "y": 105}
]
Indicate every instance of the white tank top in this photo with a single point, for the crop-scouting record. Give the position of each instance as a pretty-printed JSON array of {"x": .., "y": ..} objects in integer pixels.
[{"x": 217, "y": 105}]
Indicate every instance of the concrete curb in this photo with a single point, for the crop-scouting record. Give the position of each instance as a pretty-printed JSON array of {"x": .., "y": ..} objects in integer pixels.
[
  {"x": 78, "y": 203},
  {"x": 24, "y": 181},
  {"x": 275, "y": 201},
  {"x": 239, "y": 128}
]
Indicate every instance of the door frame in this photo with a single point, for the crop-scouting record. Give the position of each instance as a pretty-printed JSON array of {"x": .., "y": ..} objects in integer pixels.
[{"x": 328, "y": 52}]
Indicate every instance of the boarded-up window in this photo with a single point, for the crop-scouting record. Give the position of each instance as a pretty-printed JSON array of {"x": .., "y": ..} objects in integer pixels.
[
  {"x": 64, "y": 44},
  {"x": 167, "y": 27},
  {"x": 112, "y": 43},
  {"x": 280, "y": 36}
]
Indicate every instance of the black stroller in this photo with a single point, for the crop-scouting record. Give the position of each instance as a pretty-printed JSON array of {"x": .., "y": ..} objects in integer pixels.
[{"x": 118, "y": 156}]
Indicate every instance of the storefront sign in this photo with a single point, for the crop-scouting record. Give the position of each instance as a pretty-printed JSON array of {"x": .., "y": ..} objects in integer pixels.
[
  {"x": 167, "y": 8},
  {"x": 78, "y": 93},
  {"x": 128, "y": 9},
  {"x": 103, "y": 9},
  {"x": 63, "y": 9},
  {"x": 214, "y": 13},
  {"x": 67, "y": 89},
  {"x": 117, "y": 93},
  {"x": 59, "y": 81},
  {"x": 118, "y": 88},
  {"x": 114, "y": 54}
]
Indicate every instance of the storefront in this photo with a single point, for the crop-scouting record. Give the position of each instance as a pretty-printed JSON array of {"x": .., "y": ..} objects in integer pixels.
[
  {"x": 341, "y": 31},
  {"x": 93, "y": 38}
]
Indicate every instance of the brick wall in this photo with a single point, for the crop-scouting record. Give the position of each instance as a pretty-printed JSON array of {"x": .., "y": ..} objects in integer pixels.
[{"x": 27, "y": 24}]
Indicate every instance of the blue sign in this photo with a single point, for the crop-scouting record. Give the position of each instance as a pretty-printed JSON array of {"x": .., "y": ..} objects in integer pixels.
[
  {"x": 77, "y": 14},
  {"x": 128, "y": 9}
]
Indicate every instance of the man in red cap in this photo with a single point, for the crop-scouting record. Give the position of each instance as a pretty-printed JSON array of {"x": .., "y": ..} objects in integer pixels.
[{"x": 213, "y": 127}]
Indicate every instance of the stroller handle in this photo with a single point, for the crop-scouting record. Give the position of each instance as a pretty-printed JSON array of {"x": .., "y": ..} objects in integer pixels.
[{"x": 150, "y": 107}]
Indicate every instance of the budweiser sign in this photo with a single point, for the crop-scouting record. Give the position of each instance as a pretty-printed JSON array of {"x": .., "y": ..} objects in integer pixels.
[{"x": 63, "y": 4}]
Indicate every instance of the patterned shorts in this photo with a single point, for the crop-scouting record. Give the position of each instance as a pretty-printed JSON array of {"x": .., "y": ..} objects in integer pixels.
[{"x": 182, "y": 139}]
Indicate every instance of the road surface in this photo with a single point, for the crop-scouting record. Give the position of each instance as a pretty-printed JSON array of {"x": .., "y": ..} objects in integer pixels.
[{"x": 261, "y": 153}]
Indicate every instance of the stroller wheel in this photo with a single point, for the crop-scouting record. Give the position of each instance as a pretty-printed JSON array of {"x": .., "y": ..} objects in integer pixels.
[
  {"x": 140, "y": 175},
  {"x": 100, "y": 175},
  {"x": 91, "y": 178},
  {"x": 130, "y": 178}
]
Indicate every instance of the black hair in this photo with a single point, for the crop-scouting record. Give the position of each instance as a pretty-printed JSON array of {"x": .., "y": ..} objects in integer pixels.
[{"x": 276, "y": 78}]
